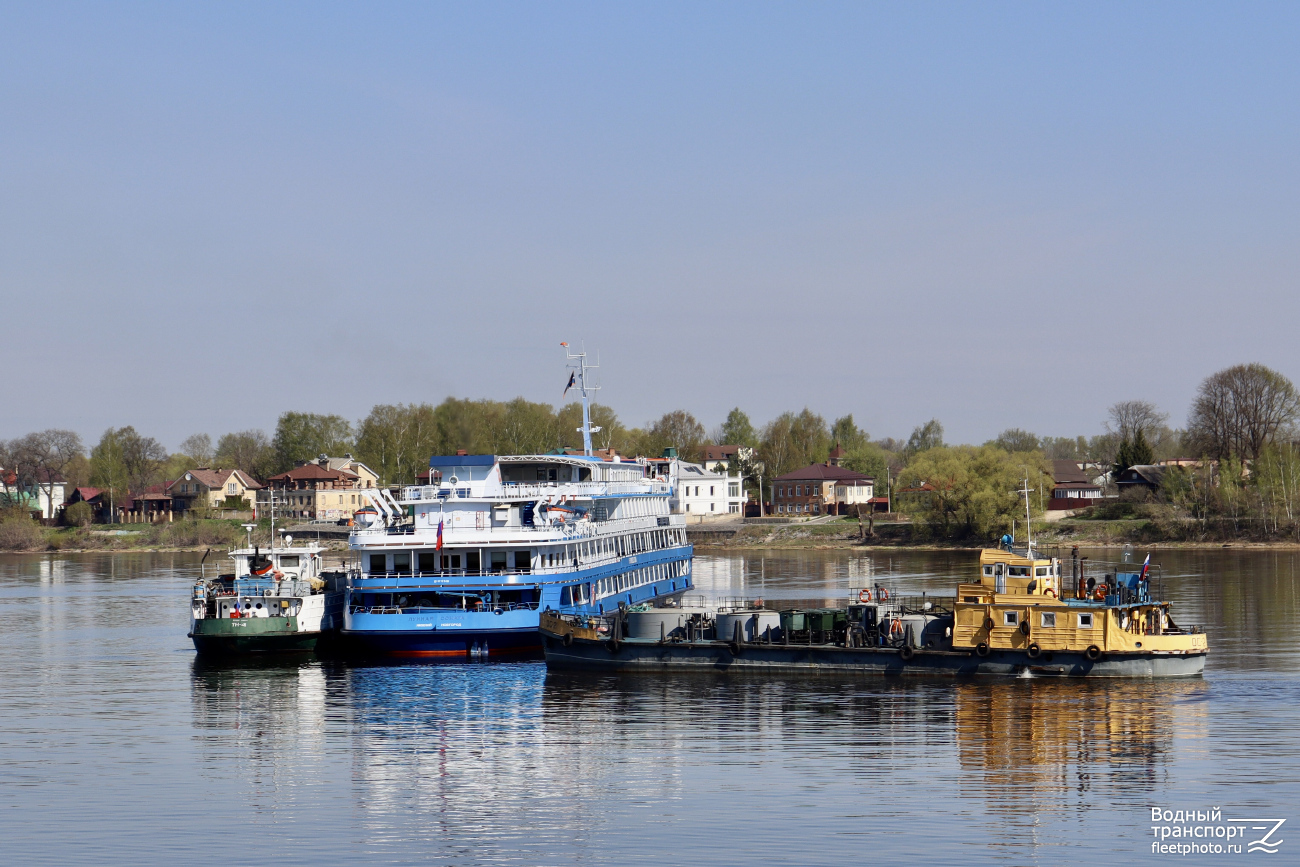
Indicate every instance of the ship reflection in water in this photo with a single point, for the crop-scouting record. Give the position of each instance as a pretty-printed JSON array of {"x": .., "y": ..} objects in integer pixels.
[
  {"x": 1040, "y": 746},
  {"x": 519, "y": 764}
]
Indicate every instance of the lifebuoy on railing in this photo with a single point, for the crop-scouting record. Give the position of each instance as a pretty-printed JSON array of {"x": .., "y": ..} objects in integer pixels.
[
  {"x": 884, "y": 594},
  {"x": 864, "y": 595}
]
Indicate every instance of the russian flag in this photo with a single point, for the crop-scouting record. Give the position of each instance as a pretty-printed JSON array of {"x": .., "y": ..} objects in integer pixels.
[
  {"x": 439, "y": 545},
  {"x": 1146, "y": 564}
]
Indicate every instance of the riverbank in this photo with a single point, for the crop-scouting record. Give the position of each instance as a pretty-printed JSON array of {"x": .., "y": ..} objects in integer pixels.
[
  {"x": 27, "y": 537},
  {"x": 846, "y": 534}
]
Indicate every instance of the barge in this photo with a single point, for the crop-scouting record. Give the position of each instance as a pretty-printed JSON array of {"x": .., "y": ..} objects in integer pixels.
[{"x": 1024, "y": 617}]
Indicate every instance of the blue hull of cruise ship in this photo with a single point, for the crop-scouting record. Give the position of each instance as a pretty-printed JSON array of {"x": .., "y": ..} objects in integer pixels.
[{"x": 453, "y": 633}]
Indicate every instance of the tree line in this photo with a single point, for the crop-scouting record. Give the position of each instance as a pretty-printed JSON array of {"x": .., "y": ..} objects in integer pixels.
[{"x": 1242, "y": 413}]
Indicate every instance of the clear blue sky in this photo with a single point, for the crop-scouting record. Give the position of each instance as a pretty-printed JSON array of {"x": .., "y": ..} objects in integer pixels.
[{"x": 997, "y": 214}]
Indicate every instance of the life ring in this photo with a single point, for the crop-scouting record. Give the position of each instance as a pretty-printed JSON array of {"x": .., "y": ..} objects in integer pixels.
[
  {"x": 567, "y": 640},
  {"x": 1034, "y": 651},
  {"x": 1093, "y": 653},
  {"x": 982, "y": 649},
  {"x": 864, "y": 595},
  {"x": 884, "y": 594},
  {"x": 1100, "y": 593},
  {"x": 1051, "y": 591},
  {"x": 906, "y": 652}
]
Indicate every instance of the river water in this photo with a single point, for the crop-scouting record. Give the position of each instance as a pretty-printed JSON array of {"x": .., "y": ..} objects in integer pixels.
[{"x": 118, "y": 747}]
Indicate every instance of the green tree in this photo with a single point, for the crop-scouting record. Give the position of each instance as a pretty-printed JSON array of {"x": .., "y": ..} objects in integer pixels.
[
  {"x": 737, "y": 430},
  {"x": 125, "y": 462},
  {"x": 870, "y": 460},
  {"x": 303, "y": 436},
  {"x": 924, "y": 437},
  {"x": 612, "y": 433},
  {"x": 975, "y": 488},
  {"x": 846, "y": 432},
  {"x": 1017, "y": 440},
  {"x": 791, "y": 441},
  {"x": 678, "y": 429},
  {"x": 1140, "y": 452}
]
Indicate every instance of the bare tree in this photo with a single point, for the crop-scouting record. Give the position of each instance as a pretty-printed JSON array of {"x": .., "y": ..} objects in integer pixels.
[
  {"x": 249, "y": 451},
  {"x": 1240, "y": 410},
  {"x": 198, "y": 447},
  {"x": 40, "y": 458},
  {"x": 1128, "y": 417}
]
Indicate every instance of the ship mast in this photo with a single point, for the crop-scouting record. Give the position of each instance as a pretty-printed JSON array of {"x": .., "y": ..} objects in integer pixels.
[
  {"x": 579, "y": 378},
  {"x": 1029, "y": 534}
]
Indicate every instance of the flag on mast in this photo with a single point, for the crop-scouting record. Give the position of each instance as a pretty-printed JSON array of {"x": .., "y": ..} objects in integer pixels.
[
  {"x": 573, "y": 377},
  {"x": 438, "y": 547},
  {"x": 1146, "y": 564}
]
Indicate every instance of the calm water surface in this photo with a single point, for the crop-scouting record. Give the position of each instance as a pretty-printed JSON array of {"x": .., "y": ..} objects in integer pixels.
[{"x": 118, "y": 747}]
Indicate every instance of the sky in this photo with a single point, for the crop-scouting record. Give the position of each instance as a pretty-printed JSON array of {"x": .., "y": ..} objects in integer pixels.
[{"x": 998, "y": 215}]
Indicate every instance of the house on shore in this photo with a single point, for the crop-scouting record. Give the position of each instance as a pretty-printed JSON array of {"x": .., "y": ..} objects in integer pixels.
[
  {"x": 41, "y": 492},
  {"x": 1143, "y": 477},
  {"x": 720, "y": 458},
  {"x": 1074, "y": 487},
  {"x": 204, "y": 487},
  {"x": 822, "y": 489},
  {"x": 697, "y": 490},
  {"x": 319, "y": 490}
]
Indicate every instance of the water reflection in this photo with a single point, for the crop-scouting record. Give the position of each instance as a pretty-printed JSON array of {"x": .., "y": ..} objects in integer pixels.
[{"x": 113, "y": 733}]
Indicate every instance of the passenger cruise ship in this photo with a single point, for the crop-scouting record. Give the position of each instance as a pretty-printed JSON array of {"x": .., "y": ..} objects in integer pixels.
[{"x": 463, "y": 566}]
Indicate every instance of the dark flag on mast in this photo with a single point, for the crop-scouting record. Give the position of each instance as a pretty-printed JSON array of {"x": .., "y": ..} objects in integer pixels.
[{"x": 572, "y": 379}]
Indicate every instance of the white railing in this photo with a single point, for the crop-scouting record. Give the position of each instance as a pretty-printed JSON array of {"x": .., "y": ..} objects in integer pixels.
[{"x": 533, "y": 491}]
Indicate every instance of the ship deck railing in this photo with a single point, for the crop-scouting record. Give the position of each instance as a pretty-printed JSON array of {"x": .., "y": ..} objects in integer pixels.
[
  {"x": 524, "y": 491},
  {"x": 437, "y": 609}
]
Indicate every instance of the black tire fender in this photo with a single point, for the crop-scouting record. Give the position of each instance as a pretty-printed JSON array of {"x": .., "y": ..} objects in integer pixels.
[
  {"x": 1093, "y": 653},
  {"x": 567, "y": 640},
  {"x": 982, "y": 650},
  {"x": 907, "y": 652},
  {"x": 1034, "y": 651}
]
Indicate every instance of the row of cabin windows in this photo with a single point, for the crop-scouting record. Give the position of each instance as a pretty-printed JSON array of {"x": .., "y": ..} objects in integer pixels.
[
  {"x": 1046, "y": 619},
  {"x": 1021, "y": 571},
  {"x": 609, "y": 547},
  {"x": 581, "y": 594}
]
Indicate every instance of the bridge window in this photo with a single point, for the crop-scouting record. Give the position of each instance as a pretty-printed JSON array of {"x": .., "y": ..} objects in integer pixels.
[
  {"x": 428, "y": 561},
  {"x": 524, "y": 561},
  {"x": 401, "y": 561},
  {"x": 378, "y": 563}
]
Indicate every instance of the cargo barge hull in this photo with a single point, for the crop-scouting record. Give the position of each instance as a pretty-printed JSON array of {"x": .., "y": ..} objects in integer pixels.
[{"x": 573, "y": 652}]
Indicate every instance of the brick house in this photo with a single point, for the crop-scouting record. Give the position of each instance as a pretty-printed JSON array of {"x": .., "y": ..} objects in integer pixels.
[
  {"x": 821, "y": 489},
  {"x": 315, "y": 491}
]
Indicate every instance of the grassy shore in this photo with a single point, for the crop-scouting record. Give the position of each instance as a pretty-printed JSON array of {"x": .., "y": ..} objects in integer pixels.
[
  {"x": 1148, "y": 531},
  {"x": 182, "y": 535}
]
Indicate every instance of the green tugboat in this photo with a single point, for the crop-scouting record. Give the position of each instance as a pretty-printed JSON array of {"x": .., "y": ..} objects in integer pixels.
[{"x": 274, "y": 602}]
